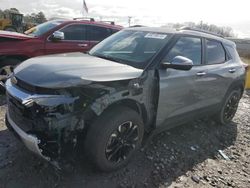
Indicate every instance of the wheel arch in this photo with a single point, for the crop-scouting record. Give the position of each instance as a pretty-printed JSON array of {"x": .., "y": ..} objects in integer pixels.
[
  {"x": 238, "y": 84},
  {"x": 132, "y": 104}
]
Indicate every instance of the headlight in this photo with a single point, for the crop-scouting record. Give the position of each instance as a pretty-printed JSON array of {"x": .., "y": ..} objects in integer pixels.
[{"x": 51, "y": 103}]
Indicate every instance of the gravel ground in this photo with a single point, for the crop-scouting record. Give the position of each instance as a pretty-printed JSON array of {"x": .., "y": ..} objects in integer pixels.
[{"x": 186, "y": 156}]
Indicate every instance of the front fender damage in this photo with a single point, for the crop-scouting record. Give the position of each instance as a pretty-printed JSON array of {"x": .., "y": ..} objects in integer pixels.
[
  {"x": 60, "y": 121},
  {"x": 142, "y": 91}
]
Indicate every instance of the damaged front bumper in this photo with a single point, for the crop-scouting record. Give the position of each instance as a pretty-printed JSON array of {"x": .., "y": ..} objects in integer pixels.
[
  {"x": 30, "y": 141},
  {"x": 43, "y": 129}
]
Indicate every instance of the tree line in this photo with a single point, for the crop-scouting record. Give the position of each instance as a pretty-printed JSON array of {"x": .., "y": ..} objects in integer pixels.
[
  {"x": 35, "y": 18},
  {"x": 220, "y": 30}
]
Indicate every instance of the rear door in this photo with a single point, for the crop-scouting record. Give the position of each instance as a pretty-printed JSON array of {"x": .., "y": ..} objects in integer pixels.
[
  {"x": 75, "y": 40},
  {"x": 180, "y": 91},
  {"x": 96, "y": 34},
  {"x": 220, "y": 70}
]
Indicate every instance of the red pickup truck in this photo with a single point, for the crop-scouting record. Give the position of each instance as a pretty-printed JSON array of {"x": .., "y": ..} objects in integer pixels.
[{"x": 57, "y": 36}]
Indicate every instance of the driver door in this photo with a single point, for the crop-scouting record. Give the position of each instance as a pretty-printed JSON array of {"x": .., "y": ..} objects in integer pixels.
[
  {"x": 180, "y": 93},
  {"x": 74, "y": 40}
]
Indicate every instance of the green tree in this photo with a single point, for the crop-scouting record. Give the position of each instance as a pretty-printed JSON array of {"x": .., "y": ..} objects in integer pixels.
[
  {"x": 40, "y": 18},
  {"x": 14, "y": 10}
]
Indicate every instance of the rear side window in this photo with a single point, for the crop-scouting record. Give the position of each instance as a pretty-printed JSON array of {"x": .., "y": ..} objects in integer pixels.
[
  {"x": 189, "y": 47},
  {"x": 233, "y": 52},
  {"x": 74, "y": 32},
  {"x": 96, "y": 33},
  {"x": 215, "y": 52}
]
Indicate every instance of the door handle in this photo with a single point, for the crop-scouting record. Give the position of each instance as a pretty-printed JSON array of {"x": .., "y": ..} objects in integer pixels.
[
  {"x": 201, "y": 73},
  {"x": 232, "y": 70},
  {"x": 83, "y": 45}
]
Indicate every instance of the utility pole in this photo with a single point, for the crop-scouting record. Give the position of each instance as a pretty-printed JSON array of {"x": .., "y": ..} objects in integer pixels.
[
  {"x": 201, "y": 24},
  {"x": 129, "y": 20}
]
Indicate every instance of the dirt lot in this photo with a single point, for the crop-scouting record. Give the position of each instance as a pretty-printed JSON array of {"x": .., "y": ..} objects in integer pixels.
[{"x": 185, "y": 156}]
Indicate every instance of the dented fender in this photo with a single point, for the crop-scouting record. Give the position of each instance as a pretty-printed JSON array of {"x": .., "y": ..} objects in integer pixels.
[{"x": 139, "y": 90}]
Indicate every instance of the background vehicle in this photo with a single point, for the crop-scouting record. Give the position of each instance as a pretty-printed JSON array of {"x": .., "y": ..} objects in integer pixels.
[
  {"x": 138, "y": 81},
  {"x": 12, "y": 21},
  {"x": 57, "y": 36}
]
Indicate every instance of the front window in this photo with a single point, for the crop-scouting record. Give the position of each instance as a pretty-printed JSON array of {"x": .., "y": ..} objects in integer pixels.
[
  {"x": 189, "y": 47},
  {"x": 135, "y": 48},
  {"x": 43, "y": 28}
]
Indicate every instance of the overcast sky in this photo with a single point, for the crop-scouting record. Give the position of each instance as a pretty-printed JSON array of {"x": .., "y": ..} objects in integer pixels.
[{"x": 233, "y": 13}]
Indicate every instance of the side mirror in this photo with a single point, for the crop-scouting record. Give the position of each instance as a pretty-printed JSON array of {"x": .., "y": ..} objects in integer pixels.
[
  {"x": 179, "y": 63},
  {"x": 57, "y": 36}
]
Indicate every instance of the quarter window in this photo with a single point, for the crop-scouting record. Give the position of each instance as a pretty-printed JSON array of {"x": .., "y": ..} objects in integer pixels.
[
  {"x": 74, "y": 32},
  {"x": 215, "y": 52},
  {"x": 189, "y": 47}
]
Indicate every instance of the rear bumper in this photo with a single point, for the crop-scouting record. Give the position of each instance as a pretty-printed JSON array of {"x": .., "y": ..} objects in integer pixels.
[{"x": 30, "y": 141}]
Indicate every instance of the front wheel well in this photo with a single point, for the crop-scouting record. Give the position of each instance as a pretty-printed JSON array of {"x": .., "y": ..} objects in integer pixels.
[{"x": 134, "y": 105}]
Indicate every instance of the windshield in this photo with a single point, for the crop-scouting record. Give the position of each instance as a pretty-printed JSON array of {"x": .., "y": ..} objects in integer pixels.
[
  {"x": 135, "y": 48},
  {"x": 43, "y": 28}
]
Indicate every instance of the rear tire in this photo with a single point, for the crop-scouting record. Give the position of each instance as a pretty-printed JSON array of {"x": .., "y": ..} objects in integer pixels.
[
  {"x": 229, "y": 108},
  {"x": 114, "y": 138}
]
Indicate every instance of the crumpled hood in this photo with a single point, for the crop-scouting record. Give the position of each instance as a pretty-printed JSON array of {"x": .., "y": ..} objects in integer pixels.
[
  {"x": 72, "y": 69},
  {"x": 14, "y": 35}
]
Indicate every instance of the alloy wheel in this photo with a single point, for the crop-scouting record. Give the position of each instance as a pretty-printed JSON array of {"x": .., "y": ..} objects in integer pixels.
[
  {"x": 231, "y": 107},
  {"x": 121, "y": 142}
]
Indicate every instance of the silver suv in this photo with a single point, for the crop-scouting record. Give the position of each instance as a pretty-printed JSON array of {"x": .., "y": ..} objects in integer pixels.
[{"x": 137, "y": 81}]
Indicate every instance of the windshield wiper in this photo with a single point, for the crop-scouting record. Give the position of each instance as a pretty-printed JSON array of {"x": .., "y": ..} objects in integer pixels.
[{"x": 109, "y": 58}]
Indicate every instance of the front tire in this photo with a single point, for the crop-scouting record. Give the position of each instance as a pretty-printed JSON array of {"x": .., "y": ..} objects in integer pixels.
[
  {"x": 229, "y": 108},
  {"x": 114, "y": 138}
]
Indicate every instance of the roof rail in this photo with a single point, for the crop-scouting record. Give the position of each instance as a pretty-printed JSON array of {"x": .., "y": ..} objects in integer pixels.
[
  {"x": 201, "y": 30},
  {"x": 85, "y": 18},
  {"x": 110, "y": 22},
  {"x": 137, "y": 26}
]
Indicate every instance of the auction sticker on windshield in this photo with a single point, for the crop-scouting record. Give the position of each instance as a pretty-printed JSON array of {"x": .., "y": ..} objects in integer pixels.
[{"x": 155, "y": 36}]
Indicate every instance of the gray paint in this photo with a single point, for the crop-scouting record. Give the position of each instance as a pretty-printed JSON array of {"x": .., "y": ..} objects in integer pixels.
[
  {"x": 184, "y": 91},
  {"x": 88, "y": 85},
  {"x": 72, "y": 69}
]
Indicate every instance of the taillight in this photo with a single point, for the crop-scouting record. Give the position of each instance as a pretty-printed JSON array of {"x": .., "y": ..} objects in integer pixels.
[{"x": 246, "y": 66}]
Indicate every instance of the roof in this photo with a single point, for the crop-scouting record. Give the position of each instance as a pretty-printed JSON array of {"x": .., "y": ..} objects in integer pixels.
[
  {"x": 93, "y": 22},
  {"x": 153, "y": 29},
  {"x": 184, "y": 32},
  {"x": 88, "y": 21}
]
